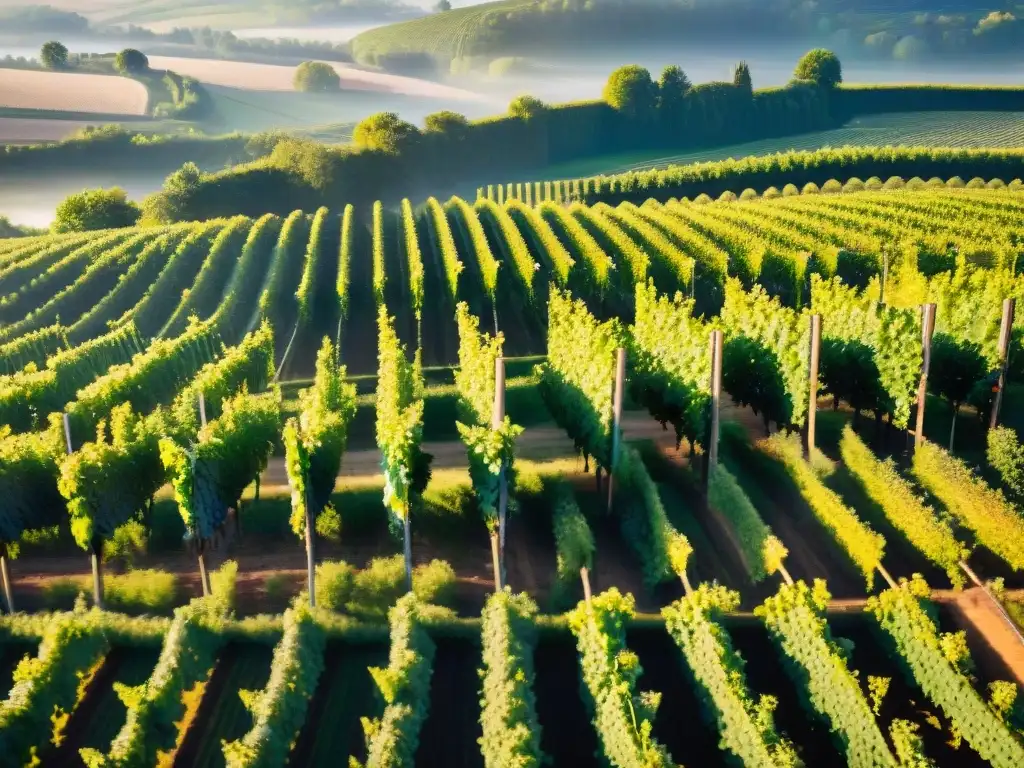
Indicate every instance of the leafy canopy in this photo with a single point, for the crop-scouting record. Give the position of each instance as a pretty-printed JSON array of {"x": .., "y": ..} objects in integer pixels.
[{"x": 96, "y": 209}]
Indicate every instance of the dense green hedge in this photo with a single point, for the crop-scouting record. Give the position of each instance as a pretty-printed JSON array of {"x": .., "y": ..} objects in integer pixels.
[{"x": 852, "y": 100}]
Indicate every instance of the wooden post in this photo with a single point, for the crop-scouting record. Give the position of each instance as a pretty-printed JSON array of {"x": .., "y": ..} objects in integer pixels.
[
  {"x": 711, "y": 458},
  {"x": 620, "y": 380},
  {"x": 202, "y": 409},
  {"x": 204, "y": 576},
  {"x": 97, "y": 571},
  {"x": 812, "y": 404},
  {"x": 585, "y": 577},
  {"x": 1005, "y": 332},
  {"x": 885, "y": 277},
  {"x": 67, "y": 433},
  {"x": 497, "y": 419},
  {"x": 408, "y": 548},
  {"x": 927, "y": 330},
  {"x": 310, "y": 542},
  {"x": 6, "y": 578}
]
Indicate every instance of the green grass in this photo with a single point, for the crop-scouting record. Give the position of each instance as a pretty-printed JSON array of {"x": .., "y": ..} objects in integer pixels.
[
  {"x": 104, "y": 718},
  {"x": 930, "y": 129},
  {"x": 345, "y": 693},
  {"x": 244, "y": 666}
]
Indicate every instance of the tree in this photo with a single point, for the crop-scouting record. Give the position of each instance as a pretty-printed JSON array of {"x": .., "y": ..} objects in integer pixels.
[
  {"x": 821, "y": 67},
  {"x": 54, "y": 55},
  {"x": 173, "y": 202},
  {"x": 751, "y": 375},
  {"x": 526, "y": 107},
  {"x": 741, "y": 78},
  {"x": 956, "y": 368},
  {"x": 672, "y": 89},
  {"x": 443, "y": 5},
  {"x": 446, "y": 122},
  {"x": 316, "y": 76},
  {"x": 631, "y": 90},
  {"x": 96, "y": 209},
  {"x": 384, "y": 132},
  {"x": 314, "y": 444},
  {"x": 130, "y": 61}
]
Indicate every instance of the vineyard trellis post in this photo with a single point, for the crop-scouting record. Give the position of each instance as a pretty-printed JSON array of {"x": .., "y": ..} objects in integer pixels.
[
  {"x": 927, "y": 331},
  {"x": 711, "y": 459},
  {"x": 204, "y": 576},
  {"x": 885, "y": 277},
  {"x": 620, "y": 380},
  {"x": 96, "y": 545},
  {"x": 310, "y": 541},
  {"x": 812, "y": 400},
  {"x": 6, "y": 577},
  {"x": 1005, "y": 333},
  {"x": 497, "y": 419}
]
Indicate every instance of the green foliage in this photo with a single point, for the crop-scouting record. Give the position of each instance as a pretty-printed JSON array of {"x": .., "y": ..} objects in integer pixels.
[
  {"x": 1006, "y": 455},
  {"x": 95, "y": 209},
  {"x": 576, "y": 382},
  {"x": 54, "y": 55},
  {"x": 574, "y": 544},
  {"x": 369, "y": 593},
  {"x": 863, "y": 546},
  {"x": 315, "y": 441},
  {"x": 662, "y": 551},
  {"x": 316, "y": 255},
  {"x": 231, "y": 452},
  {"x": 928, "y": 531},
  {"x": 92, "y": 479},
  {"x": 392, "y": 739},
  {"x": 144, "y": 591},
  {"x": 316, "y": 77},
  {"x": 29, "y": 494},
  {"x": 631, "y": 90},
  {"x": 45, "y": 687},
  {"x": 892, "y": 335},
  {"x": 384, "y": 132},
  {"x": 508, "y": 716},
  {"x": 279, "y": 711},
  {"x": 957, "y": 369},
  {"x": 994, "y": 520},
  {"x": 746, "y": 724},
  {"x": 453, "y": 266},
  {"x": 903, "y": 613},
  {"x": 526, "y": 107},
  {"x": 399, "y": 422},
  {"x": 795, "y": 618},
  {"x": 130, "y": 61},
  {"x": 187, "y": 657},
  {"x": 763, "y": 552},
  {"x": 778, "y": 330},
  {"x": 742, "y": 80},
  {"x": 623, "y": 717},
  {"x": 908, "y": 745},
  {"x": 670, "y": 365},
  {"x": 821, "y": 67}
]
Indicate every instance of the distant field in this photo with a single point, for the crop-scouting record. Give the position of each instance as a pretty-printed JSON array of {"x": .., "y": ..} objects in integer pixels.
[
  {"x": 16, "y": 130},
  {"x": 443, "y": 34},
  {"x": 72, "y": 92},
  {"x": 275, "y": 77},
  {"x": 927, "y": 129}
]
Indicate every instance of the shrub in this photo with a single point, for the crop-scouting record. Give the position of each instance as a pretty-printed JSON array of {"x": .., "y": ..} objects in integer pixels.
[
  {"x": 831, "y": 187},
  {"x": 574, "y": 545},
  {"x": 54, "y": 55},
  {"x": 790, "y": 190},
  {"x": 955, "y": 183},
  {"x": 771, "y": 193},
  {"x": 128, "y": 541},
  {"x": 894, "y": 182},
  {"x": 727, "y": 197},
  {"x": 130, "y": 62},
  {"x": 1006, "y": 455},
  {"x": 996, "y": 184},
  {"x": 976, "y": 183},
  {"x": 874, "y": 184},
  {"x": 526, "y": 107},
  {"x": 916, "y": 183},
  {"x": 935, "y": 183},
  {"x": 810, "y": 188},
  {"x": 435, "y": 583},
  {"x": 821, "y": 67},
  {"x": 95, "y": 209},
  {"x": 335, "y": 581},
  {"x": 316, "y": 77},
  {"x": 748, "y": 194},
  {"x": 631, "y": 90},
  {"x": 853, "y": 185},
  {"x": 701, "y": 199},
  {"x": 144, "y": 591},
  {"x": 1016, "y": 185},
  {"x": 384, "y": 132}
]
